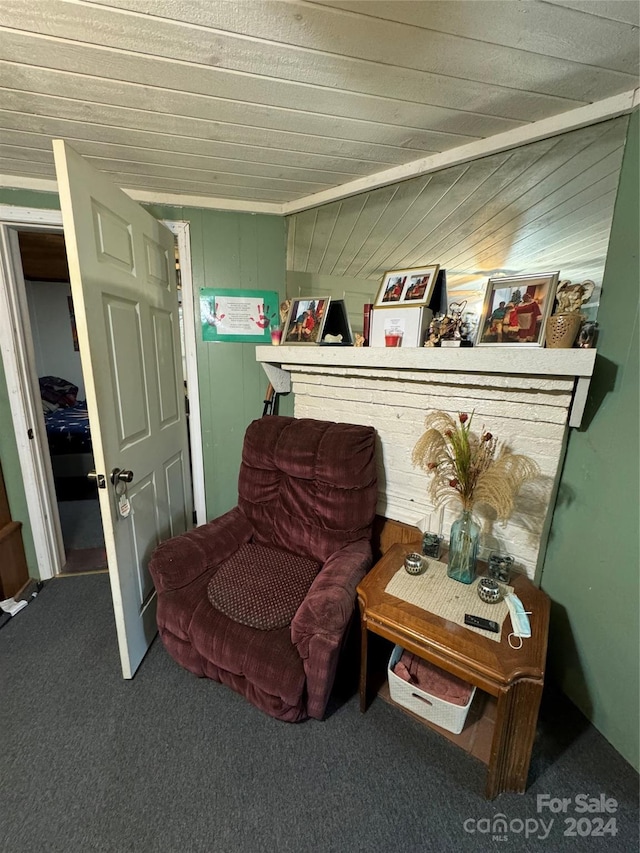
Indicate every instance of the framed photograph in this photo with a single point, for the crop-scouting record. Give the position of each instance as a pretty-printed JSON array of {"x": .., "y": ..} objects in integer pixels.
[
  {"x": 306, "y": 319},
  {"x": 401, "y": 328},
  {"x": 406, "y": 288},
  {"x": 515, "y": 310}
]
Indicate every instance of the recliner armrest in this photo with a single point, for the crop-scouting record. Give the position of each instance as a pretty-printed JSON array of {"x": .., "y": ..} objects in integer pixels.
[
  {"x": 320, "y": 623},
  {"x": 178, "y": 561}
]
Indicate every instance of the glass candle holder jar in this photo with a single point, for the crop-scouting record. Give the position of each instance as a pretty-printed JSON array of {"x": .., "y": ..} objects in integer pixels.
[
  {"x": 500, "y": 566},
  {"x": 276, "y": 335},
  {"x": 431, "y": 545}
]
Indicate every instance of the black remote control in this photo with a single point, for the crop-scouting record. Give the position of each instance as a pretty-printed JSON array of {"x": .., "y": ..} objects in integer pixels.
[{"x": 479, "y": 622}]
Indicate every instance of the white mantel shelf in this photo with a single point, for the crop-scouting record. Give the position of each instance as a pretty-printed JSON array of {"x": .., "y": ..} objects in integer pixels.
[
  {"x": 500, "y": 360},
  {"x": 529, "y": 360}
]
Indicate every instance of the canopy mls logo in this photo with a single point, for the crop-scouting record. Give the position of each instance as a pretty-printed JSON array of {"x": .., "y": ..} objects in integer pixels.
[
  {"x": 576, "y": 822},
  {"x": 499, "y": 827}
]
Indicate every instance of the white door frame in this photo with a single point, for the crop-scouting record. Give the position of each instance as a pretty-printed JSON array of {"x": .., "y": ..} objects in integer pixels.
[
  {"x": 17, "y": 353},
  {"x": 190, "y": 323},
  {"x": 16, "y": 344}
]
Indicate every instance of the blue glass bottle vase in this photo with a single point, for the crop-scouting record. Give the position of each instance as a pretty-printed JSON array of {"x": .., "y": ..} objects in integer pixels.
[{"x": 464, "y": 541}]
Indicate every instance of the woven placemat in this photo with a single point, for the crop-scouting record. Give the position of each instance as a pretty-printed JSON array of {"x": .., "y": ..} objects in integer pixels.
[{"x": 449, "y": 599}]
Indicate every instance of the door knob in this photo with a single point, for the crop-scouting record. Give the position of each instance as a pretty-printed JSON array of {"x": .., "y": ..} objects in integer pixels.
[
  {"x": 99, "y": 478},
  {"x": 121, "y": 475}
]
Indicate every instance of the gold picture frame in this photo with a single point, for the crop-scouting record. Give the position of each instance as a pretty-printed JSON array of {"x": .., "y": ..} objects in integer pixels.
[{"x": 410, "y": 288}]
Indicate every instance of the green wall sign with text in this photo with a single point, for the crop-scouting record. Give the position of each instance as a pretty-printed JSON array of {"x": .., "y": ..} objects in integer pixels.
[{"x": 244, "y": 316}]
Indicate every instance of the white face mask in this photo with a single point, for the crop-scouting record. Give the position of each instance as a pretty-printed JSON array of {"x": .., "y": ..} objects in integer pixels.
[{"x": 519, "y": 620}]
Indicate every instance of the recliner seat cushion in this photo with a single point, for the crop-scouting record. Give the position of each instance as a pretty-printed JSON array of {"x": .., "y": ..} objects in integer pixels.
[{"x": 261, "y": 587}]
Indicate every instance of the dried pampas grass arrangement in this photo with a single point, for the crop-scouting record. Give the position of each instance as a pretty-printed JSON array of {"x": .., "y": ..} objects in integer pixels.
[{"x": 469, "y": 468}]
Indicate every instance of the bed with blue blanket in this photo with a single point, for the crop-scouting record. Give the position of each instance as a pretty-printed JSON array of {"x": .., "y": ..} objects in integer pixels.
[
  {"x": 68, "y": 429},
  {"x": 67, "y": 425}
]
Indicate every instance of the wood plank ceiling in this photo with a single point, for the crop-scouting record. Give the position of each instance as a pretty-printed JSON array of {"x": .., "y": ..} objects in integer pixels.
[
  {"x": 271, "y": 102},
  {"x": 542, "y": 207},
  {"x": 265, "y": 104}
]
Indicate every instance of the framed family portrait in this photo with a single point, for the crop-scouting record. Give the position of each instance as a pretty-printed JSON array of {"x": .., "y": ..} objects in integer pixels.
[
  {"x": 515, "y": 310},
  {"x": 306, "y": 319},
  {"x": 404, "y": 288}
]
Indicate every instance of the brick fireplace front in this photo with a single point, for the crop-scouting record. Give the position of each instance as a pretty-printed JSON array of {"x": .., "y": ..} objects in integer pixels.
[{"x": 527, "y": 397}]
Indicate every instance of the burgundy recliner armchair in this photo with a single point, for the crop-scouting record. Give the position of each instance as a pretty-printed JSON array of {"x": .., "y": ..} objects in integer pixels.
[{"x": 260, "y": 599}]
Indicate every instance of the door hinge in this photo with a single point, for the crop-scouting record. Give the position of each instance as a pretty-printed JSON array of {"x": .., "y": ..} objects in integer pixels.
[
  {"x": 30, "y": 434},
  {"x": 194, "y": 517}
]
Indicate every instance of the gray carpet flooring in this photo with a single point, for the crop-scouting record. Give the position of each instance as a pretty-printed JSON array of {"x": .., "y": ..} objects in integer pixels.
[
  {"x": 81, "y": 524},
  {"x": 167, "y": 763}
]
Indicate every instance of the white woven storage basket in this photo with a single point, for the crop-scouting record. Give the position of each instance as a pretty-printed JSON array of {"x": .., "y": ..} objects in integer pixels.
[{"x": 429, "y": 707}]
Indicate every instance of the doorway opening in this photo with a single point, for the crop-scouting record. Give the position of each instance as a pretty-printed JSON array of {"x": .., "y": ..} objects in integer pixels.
[
  {"x": 39, "y": 471},
  {"x": 58, "y": 368}
]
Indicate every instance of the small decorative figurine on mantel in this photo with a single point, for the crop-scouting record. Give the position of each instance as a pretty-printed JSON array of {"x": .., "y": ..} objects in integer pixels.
[
  {"x": 284, "y": 311},
  {"x": 451, "y": 329},
  {"x": 438, "y": 328},
  {"x": 433, "y": 334},
  {"x": 571, "y": 297},
  {"x": 563, "y": 326}
]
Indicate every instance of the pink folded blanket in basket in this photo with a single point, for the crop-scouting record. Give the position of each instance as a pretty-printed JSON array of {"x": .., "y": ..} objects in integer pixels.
[{"x": 432, "y": 679}]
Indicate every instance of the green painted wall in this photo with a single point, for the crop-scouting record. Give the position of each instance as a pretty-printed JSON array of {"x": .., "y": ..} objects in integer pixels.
[
  {"x": 591, "y": 570},
  {"x": 29, "y": 198},
  {"x": 230, "y": 250}
]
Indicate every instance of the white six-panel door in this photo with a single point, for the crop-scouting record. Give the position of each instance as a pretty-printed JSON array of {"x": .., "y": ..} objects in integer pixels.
[{"x": 122, "y": 270}]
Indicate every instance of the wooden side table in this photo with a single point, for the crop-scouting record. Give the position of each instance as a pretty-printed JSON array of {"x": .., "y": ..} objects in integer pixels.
[{"x": 514, "y": 677}]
